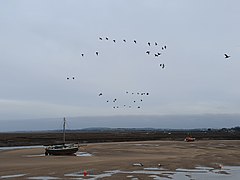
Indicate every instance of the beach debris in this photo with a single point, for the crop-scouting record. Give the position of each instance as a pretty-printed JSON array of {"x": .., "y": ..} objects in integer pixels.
[{"x": 137, "y": 164}]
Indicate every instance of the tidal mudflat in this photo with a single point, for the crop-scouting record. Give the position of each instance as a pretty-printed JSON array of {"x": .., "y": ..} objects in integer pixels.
[{"x": 212, "y": 159}]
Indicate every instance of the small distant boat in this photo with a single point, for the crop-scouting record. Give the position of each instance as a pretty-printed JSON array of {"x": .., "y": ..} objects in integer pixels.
[
  {"x": 62, "y": 149},
  {"x": 189, "y": 139}
]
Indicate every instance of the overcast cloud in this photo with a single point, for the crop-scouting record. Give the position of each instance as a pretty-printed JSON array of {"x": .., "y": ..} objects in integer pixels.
[{"x": 41, "y": 44}]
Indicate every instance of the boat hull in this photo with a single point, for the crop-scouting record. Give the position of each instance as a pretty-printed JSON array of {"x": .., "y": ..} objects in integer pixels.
[{"x": 61, "y": 151}]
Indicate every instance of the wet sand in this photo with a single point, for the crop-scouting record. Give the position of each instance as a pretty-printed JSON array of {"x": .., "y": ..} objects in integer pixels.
[{"x": 121, "y": 156}]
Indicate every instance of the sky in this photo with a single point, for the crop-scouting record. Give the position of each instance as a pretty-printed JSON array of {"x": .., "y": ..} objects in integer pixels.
[{"x": 41, "y": 43}]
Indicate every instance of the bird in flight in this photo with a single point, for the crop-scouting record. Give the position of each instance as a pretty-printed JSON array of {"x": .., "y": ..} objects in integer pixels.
[
  {"x": 148, "y": 52},
  {"x": 97, "y": 53},
  {"x": 114, "y": 40},
  {"x": 162, "y": 65},
  {"x": 82, "y": 55},
  {"x": 227, "y": 56},
  {"x": 100, "y": 38},
  {"x": 100, "y": 94},
  {"x": 149, "y": 43},
  {"x": 124, "y": 40},
  {"x": 159, "y": 53},
  {"x": 155, "y": 43},
  {"x": 165, "y": 47},
  {"x": 106, "y": 38},
  {"x": 135, "y": 41}
]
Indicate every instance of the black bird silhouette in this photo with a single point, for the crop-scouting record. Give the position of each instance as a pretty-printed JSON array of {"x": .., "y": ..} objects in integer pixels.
[
  {"x": 147, "y": 94},
  {"x": 97, "y": 53},
  {"x": 148, "y": 52},
  {"x": 100, "y": 38},
  {"x": 165, "y": 47},
  {"x": 141, "y": 100},
  {"x": 106, "y": 38},
  {"x": 227, "y": 56},
  {"x": 156, "y": 55},
  {"x": 156, "y": 44},
  {"x": 100, "y": 94},
  {"x": 67, "y": 78},
  {"x": 162, "y": 65},
  {"x": 162, "y": 48},
  {"x": 149, "y": 43},
  {"x": 159, "y": 54},
  {"x": 127, "y": 92},
  {"x": 73, "y": 77},
  {"x": 138, "y": 107},
  {"x": 135, "y": 41},
  {"x": 134, "y": 101},
  {"x": 124, "y": 40},
  {"x": 82, "y": 55},
  {"x": 114, "y": 40},
  {"x": 107, "y": 101}
]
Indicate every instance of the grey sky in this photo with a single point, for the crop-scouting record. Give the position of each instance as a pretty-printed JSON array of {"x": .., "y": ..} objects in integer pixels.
[{"x": 41, "y": 44}]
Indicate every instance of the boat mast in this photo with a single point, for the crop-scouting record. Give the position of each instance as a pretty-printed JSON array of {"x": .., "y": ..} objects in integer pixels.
[{"x": 64, "y": 126}]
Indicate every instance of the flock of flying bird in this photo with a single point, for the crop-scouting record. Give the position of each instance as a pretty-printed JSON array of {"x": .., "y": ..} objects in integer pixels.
[
  {"x": 134, "y": 102},
  {"x": 137, "y": 97},
  {"x": 148, "y": 52}
]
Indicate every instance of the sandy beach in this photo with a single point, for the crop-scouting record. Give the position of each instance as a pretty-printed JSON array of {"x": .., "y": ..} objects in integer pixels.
[{"x": 126, "y": 156}]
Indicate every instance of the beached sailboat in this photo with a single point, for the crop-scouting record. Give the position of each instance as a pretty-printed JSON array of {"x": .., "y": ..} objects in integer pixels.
[{"x": 62, "y": 149}]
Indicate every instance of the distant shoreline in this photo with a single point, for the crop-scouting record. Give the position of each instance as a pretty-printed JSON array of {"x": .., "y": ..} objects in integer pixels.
[{"x": 112, "y": 135}]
